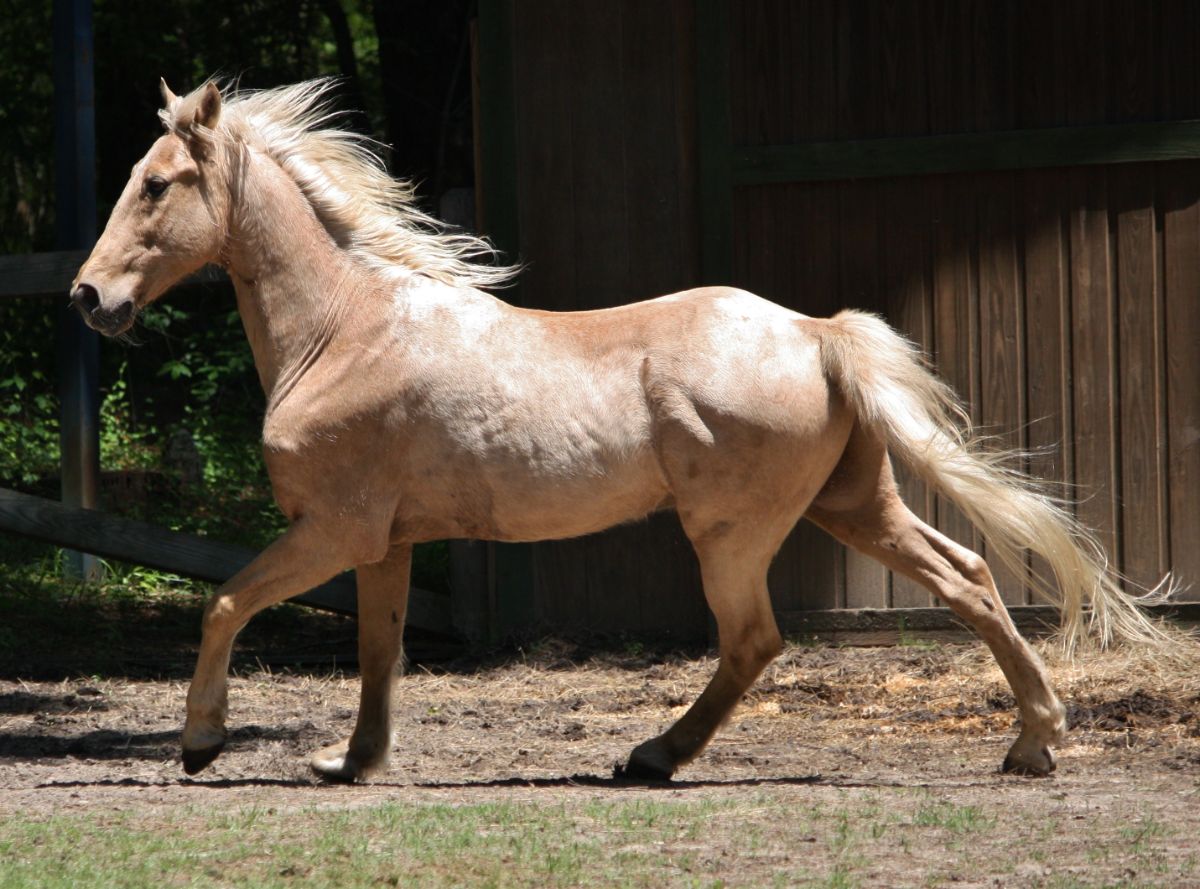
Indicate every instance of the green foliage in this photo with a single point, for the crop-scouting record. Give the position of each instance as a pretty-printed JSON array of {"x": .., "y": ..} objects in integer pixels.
[
  {"x": 28, "y": 400},
  {"x": 26, "y": 128},
  {"x": 182, "y": 411}
]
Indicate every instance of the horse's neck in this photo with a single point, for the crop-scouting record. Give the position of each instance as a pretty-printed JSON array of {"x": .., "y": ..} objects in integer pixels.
[{"x": 291, "y": 279}]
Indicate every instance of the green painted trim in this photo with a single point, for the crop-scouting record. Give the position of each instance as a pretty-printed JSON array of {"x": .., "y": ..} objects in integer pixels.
[
  {"x": 713, "y": 138},
  {"x": 967, "y": 152}
]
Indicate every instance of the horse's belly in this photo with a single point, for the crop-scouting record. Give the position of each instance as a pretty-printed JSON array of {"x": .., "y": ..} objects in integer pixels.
[
  {"x": 526, "y": 510},
  {"x": 533, "y": 478},
  {"x": 523, "y": 507}
]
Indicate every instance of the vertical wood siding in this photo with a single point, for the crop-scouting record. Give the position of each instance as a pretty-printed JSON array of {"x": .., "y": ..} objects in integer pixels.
[
  {"x": 606, "y": 174},
  {"x": 1062, "y": 304}
]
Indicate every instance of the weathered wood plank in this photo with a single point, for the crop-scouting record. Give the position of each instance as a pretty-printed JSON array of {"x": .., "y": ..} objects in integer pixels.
[
  {"x": 814, "y": 116},
  {"x": 1001, "y": 346},
  {"x": 908, "y": 300},
  {"x": 1181, "y": 236},
  {"x": 649, "y": 68},
  {"x": 892, "y": 626},
  {"x": 545, "y": 159},
  {"x": 545, "y": 165},
  {"x": 910, "y": 622},
  {"x": 1093, "y": 342},
  {"x": 713, "y": 139},
  {"x": 114, "y": 537},
  {"x": 1177, "y": 45},
  {"x": 1140, "y": 389},
  {"x": 859, "y": 280},
  {"x": 50, "y": 274},
  {"x": 757, "y": 56},
  {"x": 656, "y": 76},
  {"x": 40, "y": 274},
  {"x": 811, "y": 560},
  {"x": 955, "y": 317},
  {"x": 1047, "y": 334},
  {"x": 991, "y": 40},
  {"x": 902, "y": 71}
]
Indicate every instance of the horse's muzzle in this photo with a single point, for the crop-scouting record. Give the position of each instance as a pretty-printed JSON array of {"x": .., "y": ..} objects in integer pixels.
[{"x": 108, "y": 320}]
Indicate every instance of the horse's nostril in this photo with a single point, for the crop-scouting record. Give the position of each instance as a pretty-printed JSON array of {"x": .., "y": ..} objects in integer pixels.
[{"x": 86, "y": 299}]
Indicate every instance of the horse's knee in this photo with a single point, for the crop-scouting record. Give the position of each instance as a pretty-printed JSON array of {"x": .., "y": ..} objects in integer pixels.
[{"x": 218, "y": 613}]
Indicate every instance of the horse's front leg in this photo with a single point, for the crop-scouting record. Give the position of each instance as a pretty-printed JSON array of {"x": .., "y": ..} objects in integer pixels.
[
  {"x": 299, "y": 560},
  {"x": 382, "y": 600}
]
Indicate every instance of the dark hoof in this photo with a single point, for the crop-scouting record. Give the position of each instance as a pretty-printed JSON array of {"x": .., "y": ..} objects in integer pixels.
[
  {"x": 196, "y": 760},
  {"x": 640, "y": 771},
  {"x": 1012, "y": 766}
]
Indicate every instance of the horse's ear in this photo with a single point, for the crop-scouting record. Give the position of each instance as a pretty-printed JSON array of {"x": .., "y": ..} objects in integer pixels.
[
  {"x": 168, "y": 97},
  {"x": 208, "y": 112},
  {"x": 202, "y": 107}
]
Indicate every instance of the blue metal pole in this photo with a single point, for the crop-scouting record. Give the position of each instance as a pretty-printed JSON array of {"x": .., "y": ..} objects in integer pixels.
[{"x": 75, "y": 228}]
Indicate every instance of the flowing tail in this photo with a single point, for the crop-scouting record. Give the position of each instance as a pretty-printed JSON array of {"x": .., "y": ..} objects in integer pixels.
[{"x": 885, "y": 380}]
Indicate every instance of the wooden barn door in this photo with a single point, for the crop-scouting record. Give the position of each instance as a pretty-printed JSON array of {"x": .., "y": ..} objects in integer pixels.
[{"x": 1013, "y": 186}]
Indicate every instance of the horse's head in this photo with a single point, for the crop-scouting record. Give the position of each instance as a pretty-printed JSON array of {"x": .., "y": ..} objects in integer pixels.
[{"x": 170, "y": 219}]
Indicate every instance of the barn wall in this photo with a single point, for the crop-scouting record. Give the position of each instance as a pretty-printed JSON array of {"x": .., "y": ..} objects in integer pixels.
[
  {"x": 605, "y": 165},
  {"x": 1062, "y": 303}
]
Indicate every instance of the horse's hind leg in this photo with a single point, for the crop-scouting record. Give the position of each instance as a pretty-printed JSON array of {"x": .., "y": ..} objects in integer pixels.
[
  {"x": 734, "y": 571},
  {"x": 382, "y": 600},
  {"x": 872, "y": 519}
]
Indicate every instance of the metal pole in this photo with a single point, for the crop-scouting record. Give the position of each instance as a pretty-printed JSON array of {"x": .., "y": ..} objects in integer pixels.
[{"x": 75, "y": 228}]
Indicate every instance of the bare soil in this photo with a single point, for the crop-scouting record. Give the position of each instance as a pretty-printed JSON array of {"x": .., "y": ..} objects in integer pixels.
[{"x": 834, "y": 724}]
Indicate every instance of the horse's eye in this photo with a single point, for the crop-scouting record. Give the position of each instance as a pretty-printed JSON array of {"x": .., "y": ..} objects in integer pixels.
[{"x": 155, "y": 186}]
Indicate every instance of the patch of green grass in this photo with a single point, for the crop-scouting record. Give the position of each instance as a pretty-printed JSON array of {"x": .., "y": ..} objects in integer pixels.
[
  {"x": 1140, "y": 836},
  {"x": 770, "y": 838},
  {"x": 636, "y": 843},
  {"x": 956, "y": 819}
]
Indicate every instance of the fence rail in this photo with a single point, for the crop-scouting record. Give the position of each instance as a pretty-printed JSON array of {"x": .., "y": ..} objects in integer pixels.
[
  {"x": 114, "y": 537},
  {"x": 50, "y": 274}
]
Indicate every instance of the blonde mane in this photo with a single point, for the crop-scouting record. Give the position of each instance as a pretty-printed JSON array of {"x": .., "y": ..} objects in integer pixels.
[{"x": 367, "y": 212}]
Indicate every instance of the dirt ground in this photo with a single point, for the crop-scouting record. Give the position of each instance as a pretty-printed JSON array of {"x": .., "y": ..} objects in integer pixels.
[{"x": 835, "y": 724}]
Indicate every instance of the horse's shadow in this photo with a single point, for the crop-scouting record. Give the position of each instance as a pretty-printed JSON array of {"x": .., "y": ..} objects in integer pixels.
[
  {"x": 108, "y": 744},
  {"x": 599, "y": 782}
]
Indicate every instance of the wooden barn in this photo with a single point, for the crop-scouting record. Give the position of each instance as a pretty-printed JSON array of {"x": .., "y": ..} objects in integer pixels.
[{"x": 1016, "y": 185}]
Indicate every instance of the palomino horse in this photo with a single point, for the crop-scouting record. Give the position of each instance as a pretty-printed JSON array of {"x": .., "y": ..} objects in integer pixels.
[{"x": 405, "y": 405}]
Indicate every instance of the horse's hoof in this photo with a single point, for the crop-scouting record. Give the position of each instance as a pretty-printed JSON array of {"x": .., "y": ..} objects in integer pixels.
[
  {"x": 196, "y": 760},
  {"x": 633, "y": 771},
  {"x": 335, "y": 764},
  {"x": 1035, "y": 763},
  {"x": 334, "y": 774},
  {"x": 647, "y": 763}
]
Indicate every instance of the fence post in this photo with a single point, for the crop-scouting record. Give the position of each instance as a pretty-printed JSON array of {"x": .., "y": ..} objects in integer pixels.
[{"x": 75, "y": 228}]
